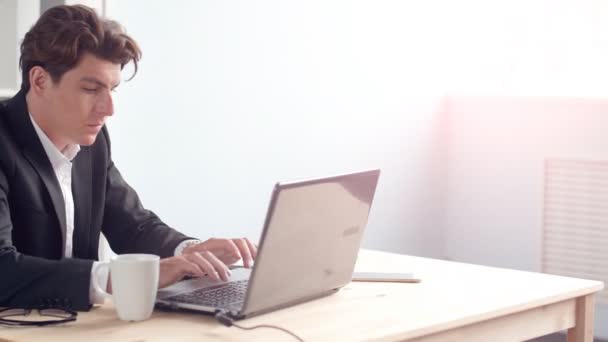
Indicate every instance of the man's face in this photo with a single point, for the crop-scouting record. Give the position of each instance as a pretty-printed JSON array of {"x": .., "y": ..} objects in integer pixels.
[{"x": 79, "y": 103}]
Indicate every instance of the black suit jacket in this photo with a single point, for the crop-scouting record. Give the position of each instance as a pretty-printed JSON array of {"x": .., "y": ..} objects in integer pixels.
[{"x": 33, "y": 271}]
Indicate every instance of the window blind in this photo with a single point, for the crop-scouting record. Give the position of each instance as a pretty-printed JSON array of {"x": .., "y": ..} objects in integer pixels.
[{"x": 575, "y": 220}]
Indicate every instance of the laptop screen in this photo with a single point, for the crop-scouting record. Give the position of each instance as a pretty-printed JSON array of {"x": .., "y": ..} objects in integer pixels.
[{"x": 311, "y": 239}]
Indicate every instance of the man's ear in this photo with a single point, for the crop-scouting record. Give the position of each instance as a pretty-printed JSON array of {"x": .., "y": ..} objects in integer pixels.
[{"x": 40, "y": 79}]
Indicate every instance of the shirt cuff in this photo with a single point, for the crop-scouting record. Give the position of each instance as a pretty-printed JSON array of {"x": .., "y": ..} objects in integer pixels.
[
  {"x": 97, "y": 297},
  {"x": 179, "y": 250}
]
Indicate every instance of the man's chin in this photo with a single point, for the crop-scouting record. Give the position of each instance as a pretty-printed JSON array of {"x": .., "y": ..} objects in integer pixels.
[{"x": 88, "y": 140}]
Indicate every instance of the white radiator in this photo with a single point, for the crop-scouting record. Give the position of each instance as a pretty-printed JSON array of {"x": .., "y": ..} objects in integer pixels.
[{"x": 575, "y": 220}]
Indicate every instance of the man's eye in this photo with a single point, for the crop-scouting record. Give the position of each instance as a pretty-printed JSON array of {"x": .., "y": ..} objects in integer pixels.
[{"x": 90, "y": 90}]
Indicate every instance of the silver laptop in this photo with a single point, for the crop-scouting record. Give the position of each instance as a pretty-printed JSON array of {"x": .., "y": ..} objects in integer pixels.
[{"x": 308, "y": 249}]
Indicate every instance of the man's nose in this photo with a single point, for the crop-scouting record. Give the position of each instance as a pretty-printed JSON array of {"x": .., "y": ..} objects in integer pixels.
[{"x": 105, "y": 106}]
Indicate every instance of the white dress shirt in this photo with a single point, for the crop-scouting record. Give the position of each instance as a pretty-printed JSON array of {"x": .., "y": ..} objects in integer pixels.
[{"x": 62, "y": 166}]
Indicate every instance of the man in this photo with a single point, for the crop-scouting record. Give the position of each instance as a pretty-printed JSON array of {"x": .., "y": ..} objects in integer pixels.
[{"x": 59, "y": 188}]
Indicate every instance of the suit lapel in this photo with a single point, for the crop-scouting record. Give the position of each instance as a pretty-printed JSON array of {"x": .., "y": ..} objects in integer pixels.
[
  {"x": 82, "y": 180},
  {"x": 34, "y": 152}
]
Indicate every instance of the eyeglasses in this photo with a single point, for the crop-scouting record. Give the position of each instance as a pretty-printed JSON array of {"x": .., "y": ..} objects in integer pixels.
[{"x": 24, "y": 317}]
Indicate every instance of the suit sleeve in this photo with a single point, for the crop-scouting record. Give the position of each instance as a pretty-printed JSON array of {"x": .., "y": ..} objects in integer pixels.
[
  {"x": 128, "y": 226},
  {"x": 33, "y": 282}
]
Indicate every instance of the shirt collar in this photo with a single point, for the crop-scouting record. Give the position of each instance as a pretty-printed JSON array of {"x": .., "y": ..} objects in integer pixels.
[{"x": 55, "y": 156}]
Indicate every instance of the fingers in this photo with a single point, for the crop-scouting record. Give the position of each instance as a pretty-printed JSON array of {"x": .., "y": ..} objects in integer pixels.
[
  {"x": 214, "y": 268},
  {"x": 210, "y": 257},
  {"x": 186, "y": 267},
  {"x": 253, "y": 248},
  {"x": 247, "y": 253},
  {"x": 233, "y": 253},
  {"x": 244, "y": 251},
  {"x": 228, "y": 251},
  {"x": 176, "y": 268},
  {"x": 224, "y": 249}
]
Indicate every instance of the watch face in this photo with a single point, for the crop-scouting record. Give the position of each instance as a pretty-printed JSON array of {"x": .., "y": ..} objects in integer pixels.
[{"x": 181, "y": 248}]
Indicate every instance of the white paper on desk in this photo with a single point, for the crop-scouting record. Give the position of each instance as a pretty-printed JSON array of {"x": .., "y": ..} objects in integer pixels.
[{"x": 383, "y": 276}]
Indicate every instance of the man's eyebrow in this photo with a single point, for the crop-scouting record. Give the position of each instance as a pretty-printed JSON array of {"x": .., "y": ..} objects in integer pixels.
[{"x": 98, "y": 82}]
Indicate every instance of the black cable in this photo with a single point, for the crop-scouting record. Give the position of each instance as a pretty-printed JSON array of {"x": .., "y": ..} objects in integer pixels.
[{"x": 229, "y": 322}]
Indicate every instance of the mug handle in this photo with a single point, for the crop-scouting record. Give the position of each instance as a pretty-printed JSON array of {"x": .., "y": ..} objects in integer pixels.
[{"x": 94, "y": 279}]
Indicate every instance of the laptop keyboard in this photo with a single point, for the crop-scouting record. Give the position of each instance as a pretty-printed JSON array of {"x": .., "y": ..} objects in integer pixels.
[{"x": 222, "y": 295}]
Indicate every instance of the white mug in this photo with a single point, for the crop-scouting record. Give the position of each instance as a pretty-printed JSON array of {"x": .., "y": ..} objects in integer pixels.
[{"x": 134, "y": 279}]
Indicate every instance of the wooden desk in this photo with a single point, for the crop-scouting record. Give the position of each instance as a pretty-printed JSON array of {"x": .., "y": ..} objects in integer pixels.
[{"x": 454, "y": 302}]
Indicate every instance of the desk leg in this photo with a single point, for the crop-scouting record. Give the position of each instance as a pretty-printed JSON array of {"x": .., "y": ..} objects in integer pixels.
[{"x": 583, "y": 329}]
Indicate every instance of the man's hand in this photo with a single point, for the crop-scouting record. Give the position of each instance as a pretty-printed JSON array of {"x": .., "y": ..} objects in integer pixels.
[
  {"x": 227, "y": 251},
  {"x": 210, "y": 257},
  {"x": 175, "y": 268},
  {"x": 197, "y": 264}
]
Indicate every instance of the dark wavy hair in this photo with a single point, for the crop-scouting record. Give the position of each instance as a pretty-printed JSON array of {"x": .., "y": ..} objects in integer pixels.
[{"x": 63, "y": 34}]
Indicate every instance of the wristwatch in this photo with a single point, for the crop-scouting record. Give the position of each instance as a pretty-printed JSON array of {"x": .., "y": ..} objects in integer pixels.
[{"x": 179, "y": 250}]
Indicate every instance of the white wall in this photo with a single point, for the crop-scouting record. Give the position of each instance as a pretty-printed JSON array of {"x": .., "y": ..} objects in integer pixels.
[
  {"x": 16, "y": 18},
  {"x": 527, "y": 47},
  {"x": 8, "y": 36},
  {"x": 233, "y": 96},
  {"x": 495, "y": 170}
]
